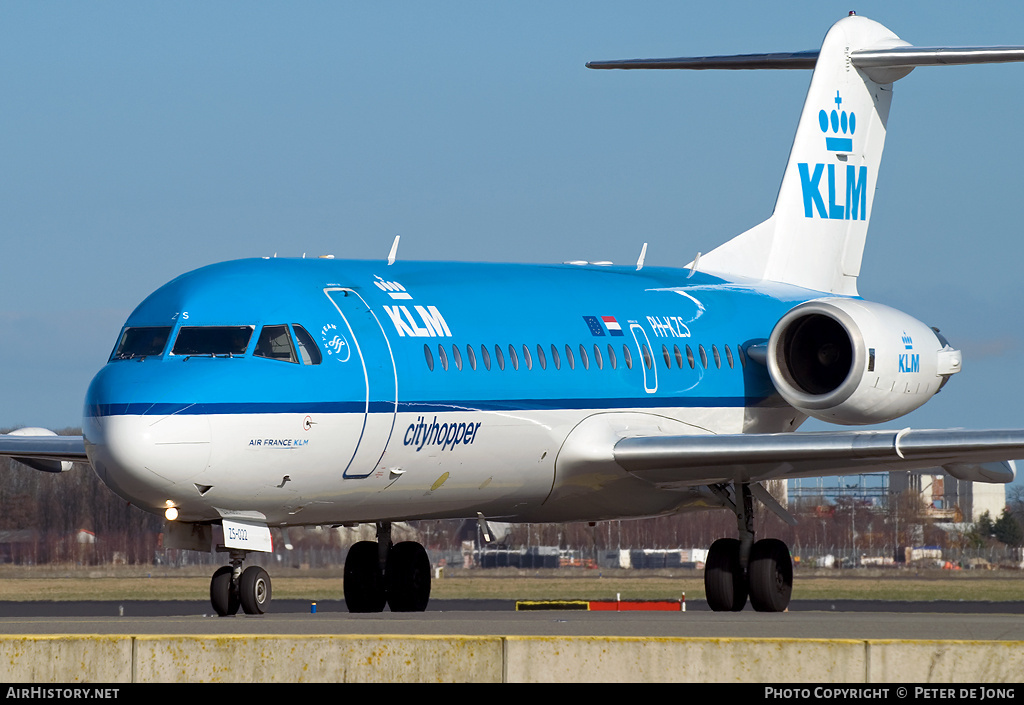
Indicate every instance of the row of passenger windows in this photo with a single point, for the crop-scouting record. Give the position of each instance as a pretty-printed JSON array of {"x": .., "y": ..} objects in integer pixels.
[
  {"x": 595, "y": 357},
  {"x": 284, "y": 342}
]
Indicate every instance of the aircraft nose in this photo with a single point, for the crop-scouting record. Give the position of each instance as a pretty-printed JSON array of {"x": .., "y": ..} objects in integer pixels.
[{"x": 144, "y": 457}]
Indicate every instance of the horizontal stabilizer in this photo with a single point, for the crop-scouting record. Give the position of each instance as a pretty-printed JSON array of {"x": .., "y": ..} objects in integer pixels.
[
  {"x": 911, "y": 56},
  {"x": 736, "y": 62},
  {"x": 888, "y": 57}
]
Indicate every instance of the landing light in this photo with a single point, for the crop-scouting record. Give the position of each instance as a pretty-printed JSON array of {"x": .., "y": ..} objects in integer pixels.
[{"x": 171, "y": 513}]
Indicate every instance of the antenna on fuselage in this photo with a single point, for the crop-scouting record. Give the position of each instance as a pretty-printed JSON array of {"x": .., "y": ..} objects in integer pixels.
[
  {"x": 640, "y": 260},
  {"x": 394, "y": 250}
]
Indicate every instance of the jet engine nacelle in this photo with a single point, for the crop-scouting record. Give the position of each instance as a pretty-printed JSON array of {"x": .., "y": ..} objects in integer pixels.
[
  {"x": 34, "y": 463},
  {"x": 850, "y": 361}
]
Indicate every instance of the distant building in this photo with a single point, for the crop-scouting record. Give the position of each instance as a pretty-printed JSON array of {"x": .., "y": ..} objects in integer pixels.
[
  {"x": 952, "y": 499},
  {"x": 946, "y": 498}
]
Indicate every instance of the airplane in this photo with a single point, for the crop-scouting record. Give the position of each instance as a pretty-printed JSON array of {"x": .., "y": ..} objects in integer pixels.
[{"x": 265, "y": 393}]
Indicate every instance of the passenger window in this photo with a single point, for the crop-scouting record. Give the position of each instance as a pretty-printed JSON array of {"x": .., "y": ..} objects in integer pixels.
[
  {"x": 667, "y": 355},
  {"x": 583, "y": 357},
  {"x": 679, "y": 356},
  {"x": 275, "y": 344},
  {"x": 626, "y": 357},
  {"x": 703, "y": 356},
  {"x": 471, "y": 356},
  {"x": 308, "y": 351},
  {"x": 486, "y": 357},
  {"x": 140, "y": 342},
  {"x": 597, "y": 357},
  {"x": 513, "y": 357},
  {"x": 499, "y": 357},
  {"x": 689, "y": 357},
  {"x": 611, "y": 357},
  {"x": 743, "y": 356},
  {"x": 648, "y": 360},
  {"x": 554, "y": 357},
  {"x": 443, "y": 355},
  {"x": 457, "y": 355},
  {"x": 728, "y": 356},
  {"x": 428, "y": 356},
  {"x": 540, "y": 357},
  {"x": 569, "y": 358},
  {"x": 216, "y": 340},
  {"x": 526, "y": 357},
  {"x": 718, "y": 358}
]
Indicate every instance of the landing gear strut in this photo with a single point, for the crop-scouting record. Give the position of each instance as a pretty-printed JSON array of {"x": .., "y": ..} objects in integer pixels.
[
  {"x": 738, "y": 567},
  {"x": 231, "y": 588},
  {"x": 379, "y": 573}
]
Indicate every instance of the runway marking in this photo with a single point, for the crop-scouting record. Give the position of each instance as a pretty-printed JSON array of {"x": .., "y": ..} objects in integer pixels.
[{"x": 602, "y": 605}]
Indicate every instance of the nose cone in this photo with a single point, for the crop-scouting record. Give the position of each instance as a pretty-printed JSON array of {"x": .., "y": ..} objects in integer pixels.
[{"x": 143, "y": 450}]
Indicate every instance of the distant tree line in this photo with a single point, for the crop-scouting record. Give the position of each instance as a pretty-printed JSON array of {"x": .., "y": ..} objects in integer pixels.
[
  {"x": 70, "y": 517},
  {"x": 1006, "y": 529},
  {"x": 73, "y": 517}
]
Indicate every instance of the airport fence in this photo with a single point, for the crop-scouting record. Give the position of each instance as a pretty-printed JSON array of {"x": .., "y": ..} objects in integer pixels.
[
  {"x": 320, "y": 549},
  {"x": 473, "y": 557}
]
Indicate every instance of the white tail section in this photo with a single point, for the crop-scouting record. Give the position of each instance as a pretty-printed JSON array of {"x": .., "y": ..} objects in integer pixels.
[{"x": 815, "y": 237}]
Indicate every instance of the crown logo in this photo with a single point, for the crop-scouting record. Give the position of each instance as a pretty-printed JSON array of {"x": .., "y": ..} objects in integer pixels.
[
  {"x": 840, "y": 123},
  {"x": 908, "y": 342},
  {"x": 392, "y": 289}
]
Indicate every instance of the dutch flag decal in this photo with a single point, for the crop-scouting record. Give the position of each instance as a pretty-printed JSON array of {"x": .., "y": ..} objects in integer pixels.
[
  {"x": 597, "y": 329},
  {"x": 612, "y": 325}
]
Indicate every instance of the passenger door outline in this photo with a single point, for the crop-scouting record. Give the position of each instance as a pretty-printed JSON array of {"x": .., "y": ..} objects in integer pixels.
[
  {"x": 378, "y": 423},
  {"x": 651, "y": 373}
]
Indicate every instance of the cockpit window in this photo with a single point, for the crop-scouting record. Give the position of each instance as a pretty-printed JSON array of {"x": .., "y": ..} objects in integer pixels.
[
  {"x": 275, "y": 343},
  {"x": 140, "y": 342},
  {"x": 212, "y": 340},
  {"x": 308, "y": 350}
]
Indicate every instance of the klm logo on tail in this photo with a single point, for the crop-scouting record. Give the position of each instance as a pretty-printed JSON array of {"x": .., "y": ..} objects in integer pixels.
[{"x": 849, "y": 184}]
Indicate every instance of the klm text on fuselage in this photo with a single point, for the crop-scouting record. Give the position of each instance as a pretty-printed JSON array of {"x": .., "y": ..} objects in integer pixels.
[{"x": 854, "y": 190}]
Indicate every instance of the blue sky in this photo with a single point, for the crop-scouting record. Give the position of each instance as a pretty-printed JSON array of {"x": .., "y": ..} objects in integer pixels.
[{"x": 142, "y": 140}]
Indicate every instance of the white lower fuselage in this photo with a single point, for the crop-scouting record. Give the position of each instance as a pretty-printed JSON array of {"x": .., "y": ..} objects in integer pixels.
[{"x": 291, "y": 468}]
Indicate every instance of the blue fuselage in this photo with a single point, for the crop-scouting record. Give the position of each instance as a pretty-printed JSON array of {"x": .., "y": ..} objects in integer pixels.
[{"x": 327, "y": 384}]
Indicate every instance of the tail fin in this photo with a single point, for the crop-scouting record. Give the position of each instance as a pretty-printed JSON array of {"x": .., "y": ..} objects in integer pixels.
[{"x": 815, "y": 237}]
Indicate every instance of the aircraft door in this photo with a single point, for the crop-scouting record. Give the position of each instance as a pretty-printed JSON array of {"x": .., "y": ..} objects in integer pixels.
[
  {"x": 647, "y": 361},
  {"x": 370, "y": 351}
]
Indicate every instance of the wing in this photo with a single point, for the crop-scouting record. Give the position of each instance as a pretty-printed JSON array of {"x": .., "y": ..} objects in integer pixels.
[
  {"x": 678, "y": 461},
  {"x": 43, "y": 450}
]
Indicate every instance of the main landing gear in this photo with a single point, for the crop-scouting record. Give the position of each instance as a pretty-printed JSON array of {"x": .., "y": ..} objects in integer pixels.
[
  {"x": 379, "y": 573},
  {"x": 738, "y": 568},
  {"x": 231, "y": 588}
]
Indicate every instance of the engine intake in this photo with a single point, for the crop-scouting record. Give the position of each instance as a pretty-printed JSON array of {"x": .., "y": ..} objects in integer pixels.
[{"x": 856, "y": 362}]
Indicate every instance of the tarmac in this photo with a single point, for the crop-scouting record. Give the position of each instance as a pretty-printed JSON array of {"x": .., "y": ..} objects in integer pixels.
[{"x": 806, "y": 619}]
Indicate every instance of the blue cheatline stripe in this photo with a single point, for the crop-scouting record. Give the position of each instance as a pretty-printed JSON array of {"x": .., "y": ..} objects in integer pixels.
[
  {"x": 198, "y": 409},
  {"x": 343, "y": 407}
]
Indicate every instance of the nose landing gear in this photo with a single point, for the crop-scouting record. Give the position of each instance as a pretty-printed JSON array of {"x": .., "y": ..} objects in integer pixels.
[{"x": 231, "y": 588}]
